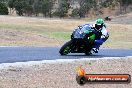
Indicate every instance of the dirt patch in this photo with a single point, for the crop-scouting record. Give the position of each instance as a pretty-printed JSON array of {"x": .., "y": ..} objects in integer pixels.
[
  {"x": 123, "y": 19},
  {"x": 21, "y": 38},
  {"x": 27, "y": 31},
  {"x": 62, "y": 75}
]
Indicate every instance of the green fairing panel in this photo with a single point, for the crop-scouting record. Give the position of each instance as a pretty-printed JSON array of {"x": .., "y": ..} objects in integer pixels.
[{"x": 92, "y": 37}]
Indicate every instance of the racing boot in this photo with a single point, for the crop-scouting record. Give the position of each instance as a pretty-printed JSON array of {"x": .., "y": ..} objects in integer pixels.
[{"x": 95, "y": 50}]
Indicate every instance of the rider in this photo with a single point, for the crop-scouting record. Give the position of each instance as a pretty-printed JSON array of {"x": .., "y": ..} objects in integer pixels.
[
  {"x": 101, "y": 28},
  {"x": 101, "y": 33}
]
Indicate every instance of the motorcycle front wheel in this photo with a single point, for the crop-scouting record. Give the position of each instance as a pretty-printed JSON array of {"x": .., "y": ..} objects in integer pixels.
[{"x": 66, "y": 48}]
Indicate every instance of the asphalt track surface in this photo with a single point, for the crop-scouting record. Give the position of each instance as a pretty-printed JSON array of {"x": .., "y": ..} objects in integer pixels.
[{"x": 23, "y": 54}]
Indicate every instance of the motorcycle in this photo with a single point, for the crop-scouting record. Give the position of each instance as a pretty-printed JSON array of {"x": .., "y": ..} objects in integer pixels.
[{"x": 82, "y": 41}]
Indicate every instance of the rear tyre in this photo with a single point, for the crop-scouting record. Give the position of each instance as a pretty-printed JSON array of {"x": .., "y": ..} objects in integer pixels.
[
  {"x": 87, "y": 49},
  {"x": 66, "y": 48},
  {"x": 88, "y": 53}
]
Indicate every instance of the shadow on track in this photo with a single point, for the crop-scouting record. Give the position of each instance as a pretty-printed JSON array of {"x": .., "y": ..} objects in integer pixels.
[{"x": 107, "y": 53}]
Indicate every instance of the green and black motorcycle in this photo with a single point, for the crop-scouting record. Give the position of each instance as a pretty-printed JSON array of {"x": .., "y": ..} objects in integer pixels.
[{"x": 82, "y": 41}]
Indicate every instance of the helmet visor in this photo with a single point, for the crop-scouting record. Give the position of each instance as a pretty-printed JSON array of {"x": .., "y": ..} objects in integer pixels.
[{"x": 98, "y": 26}]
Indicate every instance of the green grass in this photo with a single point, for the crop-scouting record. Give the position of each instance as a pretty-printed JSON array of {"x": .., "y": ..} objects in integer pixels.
[
  {"x": 59, "y": 35},
  {"x": 39, "y": 30}
]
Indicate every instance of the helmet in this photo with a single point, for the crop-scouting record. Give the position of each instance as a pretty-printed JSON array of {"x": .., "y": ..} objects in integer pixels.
[
  {"x": 99, "y": 21},
  {"x": 99, "y": 24}
]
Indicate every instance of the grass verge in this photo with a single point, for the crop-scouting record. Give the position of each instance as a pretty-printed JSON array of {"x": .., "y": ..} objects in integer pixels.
[{"x": 38, "y": 32}]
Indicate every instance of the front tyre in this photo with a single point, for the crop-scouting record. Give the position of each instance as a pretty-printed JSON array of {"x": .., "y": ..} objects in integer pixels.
[{"x": 66, "y": 48}]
